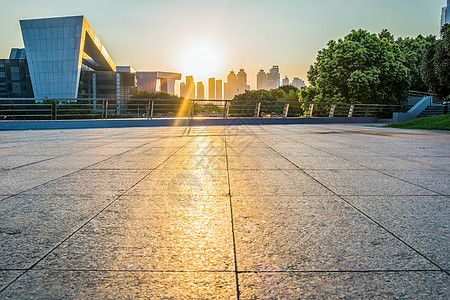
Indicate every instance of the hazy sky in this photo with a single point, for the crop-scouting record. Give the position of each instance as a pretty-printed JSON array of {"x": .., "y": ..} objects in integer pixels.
[{"x": 229, "y": 34}]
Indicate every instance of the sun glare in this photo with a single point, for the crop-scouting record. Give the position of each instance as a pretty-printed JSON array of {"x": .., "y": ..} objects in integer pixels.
[{"x": 200, "y": 60}]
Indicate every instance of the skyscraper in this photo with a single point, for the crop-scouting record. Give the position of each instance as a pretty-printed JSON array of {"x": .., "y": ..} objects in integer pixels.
[
  {"x": 212, "y": 89},
  {"x": 190, "y": 87},
  {"x": 261, "y": 79},
  {"x": 219, "y": 89},
  {"x": 285, "y": 81},
  {"x": 183, "y": 90},
  {"x": 200, "y": 90},
  {"x": 273, "y": 78},
  {"x": 230, "y": 86},
  {"x": 445, "y": 16},
  {"x": 298, "y": 83},
  {"x": 241, "y": 79}
]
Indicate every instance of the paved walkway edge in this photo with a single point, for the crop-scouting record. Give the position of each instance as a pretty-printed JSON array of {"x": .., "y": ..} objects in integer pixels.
[{"x": 118, "y": 123}]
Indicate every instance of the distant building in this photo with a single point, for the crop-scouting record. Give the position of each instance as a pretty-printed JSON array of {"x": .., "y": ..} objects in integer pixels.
[
  {"x": 445, "y": 16},
  {"x": 147, "y": 81},
  {"x": 63, "y": 58},
  {"x": 285, "y": 81},
  {"x": 200, "y": 90},
  {"x": 212, "y": 89},
  {"x": 261, "y": 80},
  {"x": 273, "y": 78},
  {"x": 219, "y": 94},
  {"x": 241, "y": 82},
  {"x": 183, "y": 90},
  {"x": 15, "y": 81},
  {"x": 190, "y": 87},
  {"x": 298, "y": 83},
  {"x": 230, "y": 86}
]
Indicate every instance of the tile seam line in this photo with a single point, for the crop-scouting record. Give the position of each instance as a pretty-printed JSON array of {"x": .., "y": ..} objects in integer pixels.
[
  {"x": 367, "y": 216},
  {"x": 59, "y": 156},
  {"x": 228, "y": 271},
  {"x": 368, "y": 168},
  {"x": 71, "y": 173},
  {"x": 232, "y": 222},
  {"x": 84, "y": 224}
]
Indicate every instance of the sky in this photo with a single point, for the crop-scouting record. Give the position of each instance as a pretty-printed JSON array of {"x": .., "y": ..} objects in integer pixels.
[{"x": 209, "y": 38}]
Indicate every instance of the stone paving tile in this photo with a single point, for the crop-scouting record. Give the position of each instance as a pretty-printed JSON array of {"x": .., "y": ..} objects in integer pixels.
[
  {"x": 14, "y": 161},
  {"x": 422, "y": 221},
  {"x": 205, "y": 162},
  {"x": 396, "y": 285},
  {"x": 314, "y": 234},
  {"x": 7, "y": 276},
  {"x": 365, "y": 182},
  {"x": 152, "y": 233},
  {"x": 92, "y": 182},
  {"x": 31, "y": 225},
  {"x": 68, "y": 162},
  {"x": 21, "y": 179},
  {"x": 436, "y": 162},
  {"x": 434, "y": 180},
  {"x": 395, "y": 163},
  {"x": 129, "y": 162},
  {"x": 323, "y": 162},
  {"x": 183, "y": 182},
  {"x": 274, "y": 182},
  {"x": 253, "y": 162},
  {"x": 146, "y": 152},
  {"x": 122, "y": 285}
]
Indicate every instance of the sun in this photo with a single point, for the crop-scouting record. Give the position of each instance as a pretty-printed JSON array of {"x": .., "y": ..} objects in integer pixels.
[{"x": 200, "y": 60}]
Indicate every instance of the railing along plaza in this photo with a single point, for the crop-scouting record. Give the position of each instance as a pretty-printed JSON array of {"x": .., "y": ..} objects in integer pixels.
[{"x": 55, "y": 109}]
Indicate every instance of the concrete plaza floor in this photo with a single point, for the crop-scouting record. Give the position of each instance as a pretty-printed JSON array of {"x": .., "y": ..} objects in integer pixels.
[{"x": 249, "y": 212}]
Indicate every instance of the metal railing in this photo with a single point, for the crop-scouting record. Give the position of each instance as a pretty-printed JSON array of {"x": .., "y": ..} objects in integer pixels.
[{"x": 55, "y": 109}]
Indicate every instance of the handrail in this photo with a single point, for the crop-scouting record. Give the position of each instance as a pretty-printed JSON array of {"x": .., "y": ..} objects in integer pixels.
[{"x": 26, "y": 108}]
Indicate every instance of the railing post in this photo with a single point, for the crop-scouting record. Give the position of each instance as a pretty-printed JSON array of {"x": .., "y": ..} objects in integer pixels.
[
  {"x": 286, "y": 110},
  {"x": 350, "y": 112},
  {"x": 106, "y": 110},
  {"x": 332, "y": 109},
  {"x": 257, "y": 109},
  {"x": 191, "y": 111},
  {"x": 310, "y": 110},
  {"x": 226, "y": 110},
  {"x": 367, "y": 111},
  {"x": 53, "y": 108}
]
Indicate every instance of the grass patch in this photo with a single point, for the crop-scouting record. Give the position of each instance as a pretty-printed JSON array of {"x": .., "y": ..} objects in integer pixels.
[{"x": 429, "y": 123}]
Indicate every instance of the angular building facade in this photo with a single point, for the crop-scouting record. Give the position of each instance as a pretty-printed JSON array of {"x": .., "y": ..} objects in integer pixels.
[
  {"x": 56, "y": 49},
  {"x": 65, "y": 59}
]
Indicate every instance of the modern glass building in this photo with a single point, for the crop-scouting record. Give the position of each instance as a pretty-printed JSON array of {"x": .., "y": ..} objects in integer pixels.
[
  {"x": 65, "y": 59},
  {"x": 445, "y": 16},
  {"x": 15, "y": 81}
]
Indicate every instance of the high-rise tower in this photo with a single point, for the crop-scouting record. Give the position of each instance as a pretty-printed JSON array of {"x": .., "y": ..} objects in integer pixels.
[
  {"x": 273, "y": 78},
  {"x": 230, "y": 86},
  {"x": 200, "y": 90},
  {"x": 241, "y": 83},
  {"x": 445, "y": 16},
  {"x": 212, "y": 89},
  {"x": 261, "y": 79},
  {"x": 219, "y": 94},
  {"x": 190, "y": 87}
]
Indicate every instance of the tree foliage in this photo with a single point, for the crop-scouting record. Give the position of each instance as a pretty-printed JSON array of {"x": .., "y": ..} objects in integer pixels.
[
  {"x": 436, "y": 65},
  {"x": 367, "y": 68}
]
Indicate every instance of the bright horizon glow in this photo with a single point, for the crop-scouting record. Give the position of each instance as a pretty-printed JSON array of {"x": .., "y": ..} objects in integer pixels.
[
  {"x": 201, "y": 60},
  {"x": 253, "y": 34}
]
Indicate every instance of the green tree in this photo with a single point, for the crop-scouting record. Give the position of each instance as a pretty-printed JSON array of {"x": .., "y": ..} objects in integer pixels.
[
  {"x": 436, "y": 65},
  {"x": 361, "y": 68},
  {"x": 413, "y": 50}
]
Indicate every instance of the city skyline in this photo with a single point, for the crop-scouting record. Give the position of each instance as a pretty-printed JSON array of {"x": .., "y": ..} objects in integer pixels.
[{"x": 137, "y": 29}]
